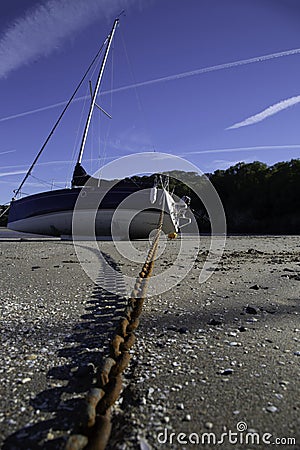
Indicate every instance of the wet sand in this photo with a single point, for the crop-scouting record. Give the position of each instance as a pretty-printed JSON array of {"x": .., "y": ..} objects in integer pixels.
[{"x": 207, "y": 357}]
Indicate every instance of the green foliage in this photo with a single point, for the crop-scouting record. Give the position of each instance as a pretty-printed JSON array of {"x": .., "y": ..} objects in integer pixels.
[
  {"x": 256, "y": 198},
  {"x": 260, "y": 199}
]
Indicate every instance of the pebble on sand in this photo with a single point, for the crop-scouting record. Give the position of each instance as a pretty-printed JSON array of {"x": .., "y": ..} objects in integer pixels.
[{"x": 271, "y": 409}]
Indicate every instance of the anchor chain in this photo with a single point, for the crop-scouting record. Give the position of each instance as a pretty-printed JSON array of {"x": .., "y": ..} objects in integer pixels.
[{"x": 96, "y": 421}]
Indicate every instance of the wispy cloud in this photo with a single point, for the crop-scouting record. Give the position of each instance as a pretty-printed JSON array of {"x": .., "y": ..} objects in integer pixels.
[
  {"x": 224, "y": 164},
  {"x": 21, "y": 168},
  {"x": 7, "y": 151},
  {"x": 243, "y": 149},
  {"x": 34, "y": 111},
  {"x": 18, "y": 168},
  {"x": 14, "y": 172},
  {"x": 203, "y": 70},
  {"x": 43, "y": 28},
  {"x": 270, "y": 111},
  {"x": 190, "y": 73}
]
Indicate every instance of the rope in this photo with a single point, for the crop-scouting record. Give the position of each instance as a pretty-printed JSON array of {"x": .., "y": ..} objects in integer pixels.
[{"x": 96, "y": 421}]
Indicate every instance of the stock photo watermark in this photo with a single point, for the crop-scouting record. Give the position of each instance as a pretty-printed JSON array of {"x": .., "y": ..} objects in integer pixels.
[{"x": 241, "y": 436}]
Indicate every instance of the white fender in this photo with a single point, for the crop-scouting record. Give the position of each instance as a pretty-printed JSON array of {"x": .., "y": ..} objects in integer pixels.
[{"x": 153, "y": 195}]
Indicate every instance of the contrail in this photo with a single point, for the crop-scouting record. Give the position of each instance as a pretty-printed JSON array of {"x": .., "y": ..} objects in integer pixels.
[
  {"x": 270, "y": 111},
  {"x": 243, "y": 149},
  {"x": 53, "y": 163},
  {"x": 42, "y": 29},
  {"x": 7, "y": 151},
  {"x": 15, "y": 172},
  {"x": 37, "y": 110},
  {"x": 229, "y": 65},
  {"x": 178, "y": 76},
  {"x": 196, "y": 152}
]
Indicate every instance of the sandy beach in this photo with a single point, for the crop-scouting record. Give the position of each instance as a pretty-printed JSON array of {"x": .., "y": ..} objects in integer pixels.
[{"x": 211, "y": 360}]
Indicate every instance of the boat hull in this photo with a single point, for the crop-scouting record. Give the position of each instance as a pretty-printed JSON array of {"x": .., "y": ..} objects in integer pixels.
[{"x": 122, "y": 213}]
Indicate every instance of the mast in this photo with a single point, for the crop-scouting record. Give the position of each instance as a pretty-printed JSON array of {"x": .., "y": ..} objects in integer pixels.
[
  {"x": 16, "y": 191},
  {"x": 94, "y": 97}
]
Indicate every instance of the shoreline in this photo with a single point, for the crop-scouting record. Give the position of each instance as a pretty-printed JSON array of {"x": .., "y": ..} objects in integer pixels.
[
  {"x": 202, "y": 361},
  {"x": 6, "y": 232}
]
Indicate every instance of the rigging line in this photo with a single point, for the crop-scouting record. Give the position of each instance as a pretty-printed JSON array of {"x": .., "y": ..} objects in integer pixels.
[
  {"x": 93, "y": 127},
  {"x": 111, "y": 104},
  {"x": 103, "y": 155},
  {"x": 23, "y": 193},
  {"x": 85, "y": 98},
  {"x": 6, "y": 203},
  {"x": 46, "y": 183},
  {"x": 96, "y": 90},
  {"x": 99, "y": 145},
  {"x": 92, "y": 144},
  {"x": 112, "y": 75},
  {"x": 77, "y": 140},
  {"x": 131, "y": 72},
  {"x": 135, "y": 85},
  {"x": 16, "y": 192}
]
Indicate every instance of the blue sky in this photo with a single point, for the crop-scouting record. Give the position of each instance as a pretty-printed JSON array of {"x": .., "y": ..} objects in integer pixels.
[{"x": 217, "y": 82}]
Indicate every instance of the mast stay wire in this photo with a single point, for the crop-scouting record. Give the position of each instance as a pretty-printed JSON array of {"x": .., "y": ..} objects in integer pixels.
[
  {"x": 77, "y": 139},
  {"x": 86, "y": 97},
  {"x": 89, "y": 95},
  {"x": 138, "y": 98},
  {"x": 45, "y": 182},
  {"x": 102, "y": 158},
  {"x": 16, "y": 191},
  {"x": 102, "y": 155}
]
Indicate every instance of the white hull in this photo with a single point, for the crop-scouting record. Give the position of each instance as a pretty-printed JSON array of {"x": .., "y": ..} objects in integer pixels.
[
  {"x": 60, "y": 223},
  {"x": 122, "y": 209}
]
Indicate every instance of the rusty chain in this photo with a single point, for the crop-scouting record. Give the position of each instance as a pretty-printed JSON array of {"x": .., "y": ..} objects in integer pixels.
[{"x": 96, "y": 424}]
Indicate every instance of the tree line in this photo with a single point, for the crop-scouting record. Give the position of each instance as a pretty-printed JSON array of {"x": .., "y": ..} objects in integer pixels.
[{"x": 257, "y": 198}]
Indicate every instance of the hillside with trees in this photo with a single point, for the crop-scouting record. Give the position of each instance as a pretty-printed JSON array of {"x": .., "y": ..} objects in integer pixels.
[
  {"x": 256, "y": 198},
  {"x": 261, "y": 199}
]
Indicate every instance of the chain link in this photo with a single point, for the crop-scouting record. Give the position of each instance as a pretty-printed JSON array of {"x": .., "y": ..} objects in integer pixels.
[{"x": 96, "y": 419}]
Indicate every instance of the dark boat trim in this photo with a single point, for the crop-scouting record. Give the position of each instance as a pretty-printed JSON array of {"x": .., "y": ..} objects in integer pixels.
[{"x": 64, "y": 200}]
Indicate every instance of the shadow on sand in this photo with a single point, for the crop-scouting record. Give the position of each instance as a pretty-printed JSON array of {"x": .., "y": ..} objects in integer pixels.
[{"x": 84, "y": 349}]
